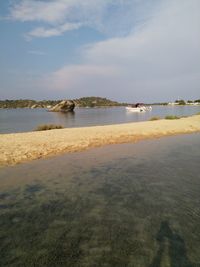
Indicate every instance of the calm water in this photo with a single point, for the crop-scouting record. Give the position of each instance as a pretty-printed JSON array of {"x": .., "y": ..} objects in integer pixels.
[
  {"x": 22, "y": 120},
  {"x": 118, "y": 206}
]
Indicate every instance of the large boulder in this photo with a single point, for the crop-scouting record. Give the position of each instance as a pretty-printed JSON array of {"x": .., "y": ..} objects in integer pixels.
[
  {"x": 37, "y": 106},
  {"x": 64, "y": 106}
]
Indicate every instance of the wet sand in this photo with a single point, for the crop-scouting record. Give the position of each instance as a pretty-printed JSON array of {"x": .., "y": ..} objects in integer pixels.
[{"x": 21, "y": 147}]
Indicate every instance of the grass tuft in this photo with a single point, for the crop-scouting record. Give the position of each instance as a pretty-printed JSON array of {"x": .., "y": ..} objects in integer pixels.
[
  {"x": 45, "y": 127},
  {"x": 172, "y": 117},
  {"x": 155, "y": 118}
]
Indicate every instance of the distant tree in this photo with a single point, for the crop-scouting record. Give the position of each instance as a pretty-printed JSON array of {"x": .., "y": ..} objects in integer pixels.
[{"x": 180, "y": 102}]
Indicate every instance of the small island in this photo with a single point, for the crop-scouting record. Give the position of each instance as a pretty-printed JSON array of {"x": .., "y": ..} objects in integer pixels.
[{"x": 48, "y": 104}]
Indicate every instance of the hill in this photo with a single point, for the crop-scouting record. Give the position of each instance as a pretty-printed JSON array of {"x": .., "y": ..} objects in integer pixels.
[
  {"x": 95, "y": 102},
  {"x": 81, "y": 102}
]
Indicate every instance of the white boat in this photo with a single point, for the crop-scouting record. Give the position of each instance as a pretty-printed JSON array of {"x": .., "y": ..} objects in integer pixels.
[
  {"x": 139, "y": 108},
  {"x": 134, "y": 109}
]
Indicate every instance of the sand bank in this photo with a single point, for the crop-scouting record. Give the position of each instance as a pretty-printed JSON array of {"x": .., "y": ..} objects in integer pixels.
[{"x": 21, "y": 147}]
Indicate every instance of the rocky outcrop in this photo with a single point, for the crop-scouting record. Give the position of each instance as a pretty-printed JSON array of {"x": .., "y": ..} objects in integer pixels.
[
  {"x": 63, "y": 106},
  {"x": 36, "y": 106}
]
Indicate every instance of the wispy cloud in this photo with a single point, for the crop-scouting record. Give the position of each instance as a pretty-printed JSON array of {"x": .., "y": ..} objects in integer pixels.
[
  {"x": 67, "y": 76},
  {"x": 36, "y": 52},
  {"x": 112, "y": 17},
  {"x": 53, "y": 31},
  {"x": 161, "y": 59},
  {"x": 151, "y": 48},
  {"x": 45, "y": 11}
]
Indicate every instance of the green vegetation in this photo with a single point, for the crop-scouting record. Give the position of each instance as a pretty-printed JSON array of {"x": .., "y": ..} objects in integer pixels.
[
  {"x": 27, "y": 103},
  {"x": 172, "y": 117},
  {"x": 95, "y": 102},
  {"x": 155, "y": 118},
  {"x": 81, "y": 102},
  {"x": 183, "y": 102},
  {"x": 46, "y": 127},
  {"x": 159, "y": 104},
  {"x": 180, "y": 102},
  {"x": 198, "y": 113},
  {"x": 70, "y": 214}
]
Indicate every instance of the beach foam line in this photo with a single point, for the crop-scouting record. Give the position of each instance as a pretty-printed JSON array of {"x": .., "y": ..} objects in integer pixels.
[{"x": 21, "y": 147}]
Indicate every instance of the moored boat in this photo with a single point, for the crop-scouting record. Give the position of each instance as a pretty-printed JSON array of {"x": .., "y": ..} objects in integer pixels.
[
  {"x": 134, "y": 109},
  {"x": 138, "y": 108}
]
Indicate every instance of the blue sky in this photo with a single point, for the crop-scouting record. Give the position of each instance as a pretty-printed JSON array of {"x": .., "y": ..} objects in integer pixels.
[{"x": 126, "y": 50}]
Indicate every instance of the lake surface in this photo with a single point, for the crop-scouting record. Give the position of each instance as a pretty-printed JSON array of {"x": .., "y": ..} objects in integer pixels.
[
  {"x": 131, "y": 205},
  {"x": 23, "y": 120}
]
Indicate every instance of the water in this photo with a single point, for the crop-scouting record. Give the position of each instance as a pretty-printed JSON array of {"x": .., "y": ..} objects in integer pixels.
[
  {"x": 132, "y": 205},
  {"x": 23, "y": 120}
]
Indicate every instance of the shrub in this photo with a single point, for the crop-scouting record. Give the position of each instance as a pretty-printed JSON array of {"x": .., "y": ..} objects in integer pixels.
[
  {"x": 198, "y": 113},
  {"x": 155, "y": 118},
  {"x": 171, "y": 117},
  {"x": 45, "y": 127},
  {"x": 180, "y": 102}
]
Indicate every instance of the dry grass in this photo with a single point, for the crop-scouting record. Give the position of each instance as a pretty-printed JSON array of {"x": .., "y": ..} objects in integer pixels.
[
  {"x": 155, "y": 118},
  {"x": 45, "y": 127},
  {"x": 171, "y": 117}
]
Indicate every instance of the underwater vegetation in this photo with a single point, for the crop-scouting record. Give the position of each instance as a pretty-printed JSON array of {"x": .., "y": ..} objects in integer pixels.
[{"x": 129, "y": 212}]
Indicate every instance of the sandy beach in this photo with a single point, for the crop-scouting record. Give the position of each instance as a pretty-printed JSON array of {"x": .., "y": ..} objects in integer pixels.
[{"x": 21, "y": 147}]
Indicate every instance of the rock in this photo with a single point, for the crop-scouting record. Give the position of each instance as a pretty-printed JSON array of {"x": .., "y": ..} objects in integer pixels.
[
  {"x": 64, "y": 106},
  {"x": 35, "y": 106}
]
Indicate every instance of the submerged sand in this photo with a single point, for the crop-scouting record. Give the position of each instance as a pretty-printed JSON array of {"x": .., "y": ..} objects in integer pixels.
[{"x": 21, "y": 147}]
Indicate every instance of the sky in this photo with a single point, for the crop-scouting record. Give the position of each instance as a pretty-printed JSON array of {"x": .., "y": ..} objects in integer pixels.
[{"x": 125, "y": 50}]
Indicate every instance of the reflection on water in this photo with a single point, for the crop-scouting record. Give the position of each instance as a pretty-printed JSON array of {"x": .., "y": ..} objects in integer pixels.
[
  {"x": 22, "y": 120},
  {"x": 122, "y": 205},
  {"x": 63, "y": 117}
]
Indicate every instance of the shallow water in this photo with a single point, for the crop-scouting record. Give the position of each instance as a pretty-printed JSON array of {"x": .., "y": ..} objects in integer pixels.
[
  {"x": 122, "y": 205},
  {"x": 23, "y": 120}
]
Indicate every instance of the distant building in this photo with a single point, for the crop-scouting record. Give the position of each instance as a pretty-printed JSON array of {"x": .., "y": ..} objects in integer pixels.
[{"x": 173, "y": 103}]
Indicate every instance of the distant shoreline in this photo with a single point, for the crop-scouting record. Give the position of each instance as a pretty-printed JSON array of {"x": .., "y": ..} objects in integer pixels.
[
  {"x": 21, "y": 147},
  {"x": 88, "y": 101}
]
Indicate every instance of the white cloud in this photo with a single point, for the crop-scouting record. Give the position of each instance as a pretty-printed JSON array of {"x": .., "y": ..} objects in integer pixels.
[
  {"x": 112, "y": 17},
  {"x": 151, "y": 51},
  {"x": 55, "y": 31},
  {"x": 46, "y": 11},
  {"x": 162, "y": 60},
  {"x": 76, "y": 76}
]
